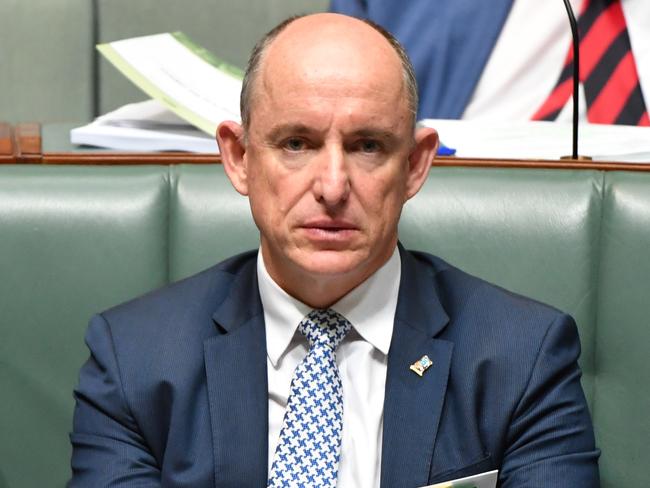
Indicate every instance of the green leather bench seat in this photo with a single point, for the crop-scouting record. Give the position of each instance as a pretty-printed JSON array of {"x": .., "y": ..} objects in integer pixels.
[
  {"x": 76, "y": 240},
  {"x": 622, "y": 409},
  {"x": 70, "y": 242}
]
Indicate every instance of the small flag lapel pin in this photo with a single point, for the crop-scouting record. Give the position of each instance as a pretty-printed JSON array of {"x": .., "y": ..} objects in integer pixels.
[{"x": 421, "y": 365}]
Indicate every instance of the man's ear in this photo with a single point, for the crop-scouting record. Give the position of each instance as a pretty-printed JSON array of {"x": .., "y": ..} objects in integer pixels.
[
  {"x": 421, "y": 159},
  {"x": 230, "y": 137}
]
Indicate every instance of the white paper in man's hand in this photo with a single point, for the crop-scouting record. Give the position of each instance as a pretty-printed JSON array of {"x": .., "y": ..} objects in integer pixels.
[{"x": 483, "y": 480}]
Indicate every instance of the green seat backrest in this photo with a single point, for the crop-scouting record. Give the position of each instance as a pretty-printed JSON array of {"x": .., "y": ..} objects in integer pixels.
[
  {"x": 76, "y": 240},
  {"x": 72, "y": 241},
  {"x": 622, "y": 409}
]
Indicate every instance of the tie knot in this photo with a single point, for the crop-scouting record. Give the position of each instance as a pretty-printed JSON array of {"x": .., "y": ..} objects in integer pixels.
[{"x": 324, "y": 327}]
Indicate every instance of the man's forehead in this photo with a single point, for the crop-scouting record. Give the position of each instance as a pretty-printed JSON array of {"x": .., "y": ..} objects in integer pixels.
[
  {"x": 332, "y": 48},
  {"x": 298, "y": 88},
  {"x": 319, "y": 106},
  {"x": 337, "y": 28}
]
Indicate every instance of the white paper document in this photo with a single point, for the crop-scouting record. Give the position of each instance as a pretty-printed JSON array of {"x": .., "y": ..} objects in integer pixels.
[
  {"x": 542, "y": 140},
  {"x": 144, "y": 126},
  {"x": 193, "y": 83},
  {"x": 483, "y": 480},
  {"x": 192, "y": 91}
]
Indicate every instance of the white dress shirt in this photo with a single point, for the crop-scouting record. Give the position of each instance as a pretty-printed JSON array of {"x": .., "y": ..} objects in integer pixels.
[
  {"x": 361, "y": 358},
  {"x": 529, "y": 55}
]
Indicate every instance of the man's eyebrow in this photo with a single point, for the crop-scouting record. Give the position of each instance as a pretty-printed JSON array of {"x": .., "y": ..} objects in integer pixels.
[
  {"x": 387, "y": 137},
  {"x": 283, "y": 130},
  {"x": 374, "y": 133},
  {"x": 286, "y": 129}
]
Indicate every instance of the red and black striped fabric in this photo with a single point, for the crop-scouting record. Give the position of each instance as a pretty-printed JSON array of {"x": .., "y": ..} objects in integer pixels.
[{"x": 607, "y": 70}]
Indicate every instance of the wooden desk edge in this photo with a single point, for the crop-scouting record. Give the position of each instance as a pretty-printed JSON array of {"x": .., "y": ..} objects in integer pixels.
[
  {"x": 125, "y": 158},
  {"x": 442, "y": 161},
  {"x": 20, "y": 144},
  {"x": 29, "y": 143},
  {"x": 451, "y": 161},
  {"x": 23, "y": 145},
  {"x": 7, "y": 146}
]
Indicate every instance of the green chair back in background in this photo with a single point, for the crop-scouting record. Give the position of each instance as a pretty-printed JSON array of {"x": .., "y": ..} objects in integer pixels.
[{"x": 76, "y": 240}]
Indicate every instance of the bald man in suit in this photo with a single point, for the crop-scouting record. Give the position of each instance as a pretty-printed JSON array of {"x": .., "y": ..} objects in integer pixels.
[{"x": 191, "y": 385}]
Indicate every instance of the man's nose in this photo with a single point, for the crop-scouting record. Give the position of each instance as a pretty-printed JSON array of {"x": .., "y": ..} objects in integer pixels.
[{"x": 332, "y": 179}]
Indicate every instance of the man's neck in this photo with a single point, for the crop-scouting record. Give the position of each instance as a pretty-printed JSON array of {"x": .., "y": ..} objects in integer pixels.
[{"x": 320, "y": 290}]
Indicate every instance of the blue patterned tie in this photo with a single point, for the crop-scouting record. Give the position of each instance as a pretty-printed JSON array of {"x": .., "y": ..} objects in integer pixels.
[{"x": 308, "y": 451}]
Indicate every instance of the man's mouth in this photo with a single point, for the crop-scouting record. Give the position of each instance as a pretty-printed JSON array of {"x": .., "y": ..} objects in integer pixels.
[{"x": 322, "y": 229}]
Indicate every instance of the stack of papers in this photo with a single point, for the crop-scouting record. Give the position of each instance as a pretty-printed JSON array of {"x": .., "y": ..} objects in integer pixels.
[
  {"x": 542, "y": 140},
  {"x": 192, "y": 92},
  {"x": 144, "y": 126}
]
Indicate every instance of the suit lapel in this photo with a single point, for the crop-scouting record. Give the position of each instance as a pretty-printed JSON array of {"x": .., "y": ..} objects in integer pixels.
[
  {"x": 235, "y": 363},
  {"x": 413, "y": 404}
]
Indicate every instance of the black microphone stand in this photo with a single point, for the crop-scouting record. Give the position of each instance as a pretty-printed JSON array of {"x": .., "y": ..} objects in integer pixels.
[{"x": 576, "y": 74}]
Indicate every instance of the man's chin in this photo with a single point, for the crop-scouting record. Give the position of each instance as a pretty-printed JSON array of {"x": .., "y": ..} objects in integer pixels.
[{"x": 332, "y": 263}]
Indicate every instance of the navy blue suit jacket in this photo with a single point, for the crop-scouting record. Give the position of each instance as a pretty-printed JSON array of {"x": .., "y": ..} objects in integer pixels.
[
  {"x": 175, "y": 390},
  {"x": 449, "y": 43}
]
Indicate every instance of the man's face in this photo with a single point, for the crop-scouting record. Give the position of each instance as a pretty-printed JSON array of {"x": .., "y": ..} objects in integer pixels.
[{"x": 327, "y": 163}]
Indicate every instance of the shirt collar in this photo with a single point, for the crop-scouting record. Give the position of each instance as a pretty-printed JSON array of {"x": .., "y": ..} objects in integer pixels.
[{"x": 370, "y": 308}]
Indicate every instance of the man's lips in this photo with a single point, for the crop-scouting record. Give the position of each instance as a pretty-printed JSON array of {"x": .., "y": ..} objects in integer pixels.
[
  {"x": 330, "y": 225},
  {"x": 329, "y": 230}
]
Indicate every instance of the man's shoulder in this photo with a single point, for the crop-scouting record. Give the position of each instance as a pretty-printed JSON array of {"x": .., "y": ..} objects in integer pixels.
[
  {"x": 187, "y": 300},
  {"x": 491, "y": 325},
  {"x": 461, "y": 292}
]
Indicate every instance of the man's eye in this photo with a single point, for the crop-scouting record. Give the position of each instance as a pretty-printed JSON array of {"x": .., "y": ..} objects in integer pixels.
[
  {"x": 369, "y": 146},
  {"x": 295, "y": 144}
]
